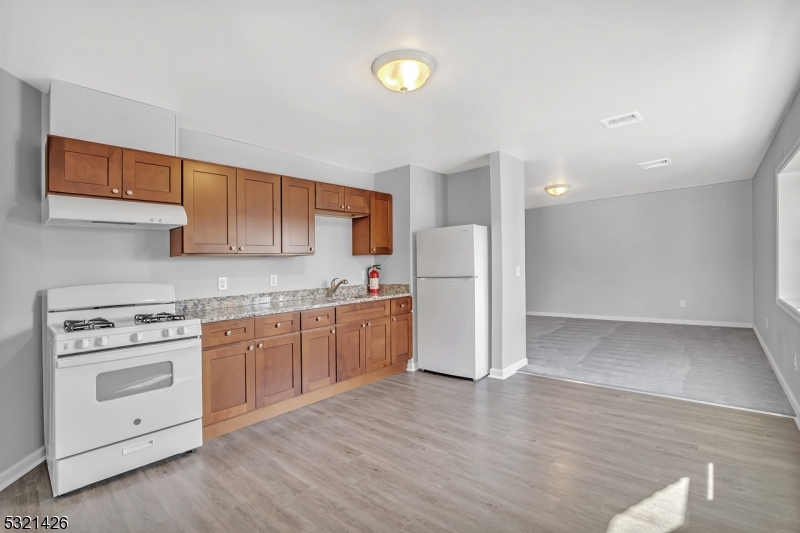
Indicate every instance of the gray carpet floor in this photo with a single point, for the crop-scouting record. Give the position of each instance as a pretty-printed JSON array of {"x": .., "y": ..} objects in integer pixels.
[{"x": 724, "y": 366}]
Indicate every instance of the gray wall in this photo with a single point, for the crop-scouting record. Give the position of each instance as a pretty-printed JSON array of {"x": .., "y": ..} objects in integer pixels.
[
  {"x": 21, "y": 431},
  {"x": 638, "y": 256},
  {"x": 396, "y": 268},
  {"x": 37, "y": 257},
  {"x": 782, "y": 336},
  {"x": 468, "y": 198}
]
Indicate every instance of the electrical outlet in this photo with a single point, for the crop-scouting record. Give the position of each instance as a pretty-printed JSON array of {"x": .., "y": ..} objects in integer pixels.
[
  {"x": 273, "y": 280},
  {"x": 222, "y": 284},
  {"x": 518, "y": 271},
  {"x": 683, "y": 303},
  {"x": 795, "y": 361}
]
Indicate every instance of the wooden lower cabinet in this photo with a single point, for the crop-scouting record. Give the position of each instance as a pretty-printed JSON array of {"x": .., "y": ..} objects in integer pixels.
[
  {"x": 228, "y": 382},
  {"x": 402, "y": 342},
  {"x": 377, "y": 343},
  {"x": 258, "y": 368},
  {"x": 319, "y": 358},
  {"x": 277, "y": 369},
  {"x": 351, "y": 350}
]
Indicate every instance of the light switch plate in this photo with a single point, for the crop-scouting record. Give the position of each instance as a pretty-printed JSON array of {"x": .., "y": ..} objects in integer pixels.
[
  {"x": 273, "y": 280},
  {"x": 222, "y": 284},
  {"x": 518, "y": 271}
]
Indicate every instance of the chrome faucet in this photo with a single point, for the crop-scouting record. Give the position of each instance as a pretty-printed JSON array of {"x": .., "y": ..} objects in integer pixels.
[{"x": 335, "y": 286}]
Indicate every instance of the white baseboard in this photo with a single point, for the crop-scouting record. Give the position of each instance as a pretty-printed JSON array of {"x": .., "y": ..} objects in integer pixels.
[
  {"x": 21, "y": 467},
  {"x": 650, "y": 320},
  {"x": 412, "y": 366},
  {"x": 792, "y": 400},
  {"x": 507, "y": 372}
]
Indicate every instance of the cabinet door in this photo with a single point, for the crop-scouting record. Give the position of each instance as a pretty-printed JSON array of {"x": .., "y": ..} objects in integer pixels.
[
  {"x": 277, "y": 369},
  {"x": 151, "y": 177},
  {"x": 380, "y": 223},
  {"x": 356, "y": 201},
  {"x": 319, "y": 358},
  {"x": 228, "y": 382},
  {"x": 297, "y": 217},
  {"x": 378, "y": 341},
  {"x": 209, "y": 197},
  {"x": 330, "y": 197},
  {"x": 84, "y": 168},
  {"x": 351, "y": 350},
  {"x": 258, "y": 212},
  {"x": 402, "y": 345}
]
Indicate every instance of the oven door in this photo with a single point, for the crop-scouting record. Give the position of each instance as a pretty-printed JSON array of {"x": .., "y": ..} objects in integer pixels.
[{"x": 111, "y": 396}]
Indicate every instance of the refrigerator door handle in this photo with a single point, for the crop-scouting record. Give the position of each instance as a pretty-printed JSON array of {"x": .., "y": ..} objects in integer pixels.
[{"x": 456, "y": 278}]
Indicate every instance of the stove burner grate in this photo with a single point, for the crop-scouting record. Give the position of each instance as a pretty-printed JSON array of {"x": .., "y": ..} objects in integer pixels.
[
  {"x": 160, "y": 317},
  {"x": 83, "y": 325}
]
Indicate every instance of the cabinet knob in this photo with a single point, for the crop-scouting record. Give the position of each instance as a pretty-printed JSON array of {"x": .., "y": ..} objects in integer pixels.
[
  {"x": 260, "y": 344},
  {"x": 348, "y": 207},
  {"x": 402, "y": 305},
  {"x": 115, "y": 191},
  {"x": 241, "y": 248},
  {"x": 233, "y": 247},
  {"x": 312, "y": 248},
  {"x": 278, "y": 325},
  {"x": 362, "y": 325},
  {"x": 129, "y": 192},
  {"x": 373, "y": 249},
  {"x": 227, "y": 333},
  {"x": 333, "y": 331},
  {"x": 394, "y": 320},
  {"x": 342, "y": 207},
  {"x": 249, "y": 347},
  {"x": 319, "y": 318}
]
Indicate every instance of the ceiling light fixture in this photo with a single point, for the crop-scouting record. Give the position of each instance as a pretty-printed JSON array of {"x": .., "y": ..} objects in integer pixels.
[
  {"x": 557, "y": 190},
  {"x": 403, "y": 70}
]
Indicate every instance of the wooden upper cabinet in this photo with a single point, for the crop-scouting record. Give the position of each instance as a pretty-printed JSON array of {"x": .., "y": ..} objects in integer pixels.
[
  {"x": 373, "y": 235},
  {"x": 351, "y": 350},
  {"x": 330, "y": 197},
  {"x": 356, "y": 201},
  {"x": 83, "y": 168},
  {"x": 258, "y": 212},
  {"x": 151, "y": 177},
  {"x": 318, "y": 354},
  {"x": 297, "y": 216},
  {"x": 377, "y": 344},
  {"x": 277, "y": 369},
  {"x": 209, "y": 197},
  {"x": 228, "y": 382}
]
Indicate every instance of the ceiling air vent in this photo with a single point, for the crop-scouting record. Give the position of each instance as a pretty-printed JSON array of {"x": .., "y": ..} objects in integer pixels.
[
  {"x": 657, "y": 163},
  {"x": 622, "y": 120}
]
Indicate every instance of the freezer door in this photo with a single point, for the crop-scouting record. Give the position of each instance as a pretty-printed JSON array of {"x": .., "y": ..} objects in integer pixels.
[
  {"x": 445, "y": 310},
  {"x": 446, "y": 252}
]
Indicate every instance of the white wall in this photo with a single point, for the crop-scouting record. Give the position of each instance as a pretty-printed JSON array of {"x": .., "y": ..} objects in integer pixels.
[
  {"x": 396, "y": 268},
  {"x": 638, "y": 256},
  {"x": 782, "y": 335},
  {"x": 507, "y": 192}
]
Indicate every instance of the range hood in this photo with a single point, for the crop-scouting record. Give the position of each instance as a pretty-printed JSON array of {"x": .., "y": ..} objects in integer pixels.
[{"x": 61, "y": 210}]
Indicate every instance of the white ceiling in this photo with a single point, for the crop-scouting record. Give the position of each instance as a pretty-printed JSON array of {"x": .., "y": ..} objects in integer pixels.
[{"x": 533, "y": 79}]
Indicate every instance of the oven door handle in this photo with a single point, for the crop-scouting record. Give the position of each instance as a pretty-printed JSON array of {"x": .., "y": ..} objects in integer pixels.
[{"x": 126, "y": 353}]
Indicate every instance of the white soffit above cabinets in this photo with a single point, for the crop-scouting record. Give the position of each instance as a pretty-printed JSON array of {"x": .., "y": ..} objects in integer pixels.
[{"x": 710, "y": 78}]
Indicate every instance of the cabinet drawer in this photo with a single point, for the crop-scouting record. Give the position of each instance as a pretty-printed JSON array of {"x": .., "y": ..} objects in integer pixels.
[
  {"x": 317, "y": 318},
  {"x": 272, "y": 325},
  {"x": 227, "y": 332},
  {"x": 362, "y": 311},
  {"x": 401, "y": 305}
]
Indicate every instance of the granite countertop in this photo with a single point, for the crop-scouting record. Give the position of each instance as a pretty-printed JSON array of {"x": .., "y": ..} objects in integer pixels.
[{"x": 211, "y": 313}]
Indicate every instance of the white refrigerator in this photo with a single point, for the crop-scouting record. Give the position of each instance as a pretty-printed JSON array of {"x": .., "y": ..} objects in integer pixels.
[{"x": 452, "y": 300}]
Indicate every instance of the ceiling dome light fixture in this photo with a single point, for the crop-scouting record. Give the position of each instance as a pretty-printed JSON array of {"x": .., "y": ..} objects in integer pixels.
[
  {"x": 403, "y": 70},
  {"x": 557, "y": 190}
]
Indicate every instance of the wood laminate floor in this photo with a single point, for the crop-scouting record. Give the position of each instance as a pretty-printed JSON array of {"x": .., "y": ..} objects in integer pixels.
[{"x": 420, "y": 452}]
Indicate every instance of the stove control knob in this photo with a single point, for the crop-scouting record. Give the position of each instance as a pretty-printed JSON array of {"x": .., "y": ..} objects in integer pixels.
[
  {"x": 81, "y": 343},
  {"x": 136, "y": 337},
  {"x": 101, "y": 341},
  {"x": 169, "y": 332},
  {"x": 182, "y": 330}
]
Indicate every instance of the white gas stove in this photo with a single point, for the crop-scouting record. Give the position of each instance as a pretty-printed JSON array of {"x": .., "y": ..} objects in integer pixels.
[{"x": 122, "y": 381}]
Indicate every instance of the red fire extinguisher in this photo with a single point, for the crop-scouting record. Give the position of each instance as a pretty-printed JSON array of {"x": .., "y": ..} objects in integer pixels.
[{"x": 374, "y": 280}]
